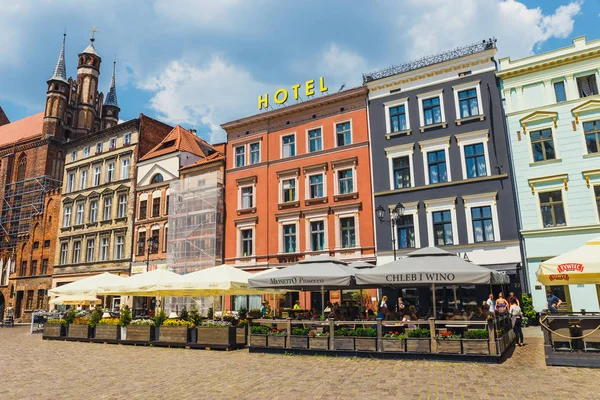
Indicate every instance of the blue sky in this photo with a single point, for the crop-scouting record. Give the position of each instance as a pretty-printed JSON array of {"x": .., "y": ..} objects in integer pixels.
[{"x": 202, "y": 63}]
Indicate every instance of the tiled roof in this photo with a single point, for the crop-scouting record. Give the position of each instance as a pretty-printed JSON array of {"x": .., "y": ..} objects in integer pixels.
[
  {"x": 180, "y": 139},
  {"x": 206, "y": 160},
  {"x": 25, "y": 128},
  {"x": 111, "y": 97},
  {"x": 60, "y": 71}
]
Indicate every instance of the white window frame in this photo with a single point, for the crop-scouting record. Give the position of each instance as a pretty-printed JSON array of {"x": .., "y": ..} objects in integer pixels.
[
  {"x": 242, "y": 226},
  {"x": 86, "y": 152},
  {"x": 469, "y": 138},
  {"x": 102, "y": 255},
  {"x": 427, "y": 146},
  {"x": 307, "y": 176},
  {"x": 83, "y": 179},
  {"x": 396, "y": 103},
  {"x": 286, "y": 177},
  {"x": 74, "y": 156},
  {"x": 552, "y": 187},
  {"x": 403, "y": 150},
  {"x": 99, "y": 147},
  {"x": 243, "y": 146},
  {"x": 288, "y": 220},
  {"x": 67, "y": 215},
  {"x": 541, "y": 127},
  {"x": 122, "y": 205},
  {"x": 594, "y": 185},
  {"x": 466, "y": 86},
  {"x": 125, "y": 168},
  {"x": 341, "y": 167},
  {"x": 93, "y": 211},
  {"x": 88, "y": 247},
  {"x": 249, "y": 151},
  {"x": 70, "y": 182},
  {"x": 281, "y": 144},
  {"x": 426, "y": 96},
  {"x": 120, "y": 245},
  {"x": 110, "y": 172},
  {"x": 104, "y": 202},
  {"x": 80, "y": 213},
  {"x": 481, "y": 200},
  {"x": 127, "y": 139},
  {"x": 443, "y": 204},
  {"x": 97, "y": 175},
  {"x": 335, "y": 124},
  {"x": 111, "y": 141},
  {"x": 411, "y": 208},
  {"x": 77, "y": 259},
  {"x": 345, "y": 213},
  {"x": 64, "y": 253},
  {"x": 308, "y": 139},
  {"x": 240, "y": 196},
  {"x": 316, "y": 216}
]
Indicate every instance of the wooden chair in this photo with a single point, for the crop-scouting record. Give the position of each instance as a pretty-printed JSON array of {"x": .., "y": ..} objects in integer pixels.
[
  {"x": 587, "y": 327},
  {"x": 560, "y": 327}
]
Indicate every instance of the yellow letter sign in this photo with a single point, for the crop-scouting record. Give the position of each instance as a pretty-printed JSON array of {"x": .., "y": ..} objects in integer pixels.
[{"x": 281, "y": 95}]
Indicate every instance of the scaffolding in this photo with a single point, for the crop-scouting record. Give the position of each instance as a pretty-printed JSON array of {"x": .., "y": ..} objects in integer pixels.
[{"x": 22, "y": 201}]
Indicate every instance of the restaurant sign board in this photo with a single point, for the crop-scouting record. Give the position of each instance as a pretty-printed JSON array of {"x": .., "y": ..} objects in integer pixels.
[
  {"x": 421, "y": 277},
  {"x": 570, "y": 267}
]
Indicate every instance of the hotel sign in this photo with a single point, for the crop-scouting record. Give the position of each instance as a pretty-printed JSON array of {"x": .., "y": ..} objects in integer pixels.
[{"x": 282, "y": 94}]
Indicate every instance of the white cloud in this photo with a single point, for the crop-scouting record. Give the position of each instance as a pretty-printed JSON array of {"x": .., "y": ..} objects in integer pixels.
[
  {"x": 341, "y": 66},
  {"x": 203, "y": 14}
]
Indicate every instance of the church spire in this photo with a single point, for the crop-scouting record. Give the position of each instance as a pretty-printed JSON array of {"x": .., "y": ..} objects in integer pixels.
[
  {"x": 111, "y": 97},
  {"x": 60, "y": 71}
]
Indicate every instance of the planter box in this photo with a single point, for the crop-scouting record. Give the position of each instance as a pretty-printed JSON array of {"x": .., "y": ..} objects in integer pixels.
[
  {"x": 365, "y": 343},
  {"x": 173, "y": 334},
  {"x": 54, "y": 330},
  {"x": 241, "y": 334},
  {"x": 108, "y": 332},
  {"x": 343, "y": 343},
  {"x": 418, "y": 345},
  {"x": 299, "y": 342},
  {"x": 448, "y": 346},
  {"x": 79, "y": 331},
  {"x": 258, "y": 340},
  {"x": 475, "y": 346},
  {"x": 394, "y": 345},
  {"x": 276, "y": 341},
  {"x": 140, "y": 333},
  {"x": 211, "y": 335},
  {"x": 318, "y": 343}
]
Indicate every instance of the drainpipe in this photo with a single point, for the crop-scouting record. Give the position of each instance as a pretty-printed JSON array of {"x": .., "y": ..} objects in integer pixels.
[{"x": 371, "y": 171}]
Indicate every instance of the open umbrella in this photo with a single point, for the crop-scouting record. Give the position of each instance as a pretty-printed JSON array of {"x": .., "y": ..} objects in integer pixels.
[
  {"x": 75, "y": 299},
  {"x": 579, "y": 266},
  {"x": 87, "y": 286},
  {"x": 153, "y": 283}
]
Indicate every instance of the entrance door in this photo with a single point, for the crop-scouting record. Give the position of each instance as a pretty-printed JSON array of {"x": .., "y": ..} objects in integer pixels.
[
  {"x": 19, "y": 305},
  {"x": 2, "y": 306}
]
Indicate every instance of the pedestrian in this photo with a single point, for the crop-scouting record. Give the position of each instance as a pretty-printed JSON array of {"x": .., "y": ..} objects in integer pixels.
[
  {"x": 516, "y": 316},
  {"x": 490, "y": 302},
  {"x": 511, "y": 296},
  {"x": 400, "y": 306},
  {"x": 552, "y": 302},
  {"x": 501, "y": 304},
  {"x": 383, "y": 302},
  {"x": 263, "y": 309}
]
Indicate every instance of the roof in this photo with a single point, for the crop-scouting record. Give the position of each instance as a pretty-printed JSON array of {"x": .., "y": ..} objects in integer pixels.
[
  {"x": 111, "y": 97},
  {"x": 3, "y": 118},
  {"x": 60, "y": 71},
  {"x": 26, "y": 128},
  {"x": 90, "y": 49},
  {"x": 214, "y": 157},
  {"x": 180, "y": 139}
]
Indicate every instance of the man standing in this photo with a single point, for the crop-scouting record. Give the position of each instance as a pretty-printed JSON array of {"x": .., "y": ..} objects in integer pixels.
[
  {"x": 400, "y": 306},
  {"x": 552, "y": 302},
  {"x": 512, "y": 296},
  {"x": 490, "y": 302}
]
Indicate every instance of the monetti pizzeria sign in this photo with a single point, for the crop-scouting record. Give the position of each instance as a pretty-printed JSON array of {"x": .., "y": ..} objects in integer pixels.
[
  {"x": 570, "y": 267},
  {"x": 297, "y": 280}
]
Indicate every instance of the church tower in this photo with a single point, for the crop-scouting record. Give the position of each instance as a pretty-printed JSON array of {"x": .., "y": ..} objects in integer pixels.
[
  {"x": 111, "y": 106},
  {"x": 56, "y": 98},
  {"x": 88, "y": 71}
]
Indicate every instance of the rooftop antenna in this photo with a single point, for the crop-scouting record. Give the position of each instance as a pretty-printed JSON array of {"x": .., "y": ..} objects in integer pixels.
[{"x": 342, "y": 87}]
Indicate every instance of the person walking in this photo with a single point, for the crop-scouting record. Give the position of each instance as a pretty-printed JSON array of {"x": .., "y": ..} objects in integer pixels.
[
  {"x": 490, "y": 302},
  {"x": 516, "y": 316}
]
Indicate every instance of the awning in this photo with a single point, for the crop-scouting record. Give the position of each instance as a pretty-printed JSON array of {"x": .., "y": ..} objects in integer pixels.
[
  {"x": 72, "y": 299},
  {"x": 579, "y": 266},
  {"x": 507, "y": 268}
]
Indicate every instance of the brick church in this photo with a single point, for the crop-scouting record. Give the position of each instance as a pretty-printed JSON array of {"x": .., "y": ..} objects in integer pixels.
[{"x": 31, "y": 172}]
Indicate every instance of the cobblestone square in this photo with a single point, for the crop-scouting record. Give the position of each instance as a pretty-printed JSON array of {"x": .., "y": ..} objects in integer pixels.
[{"x": 44, "y": 369}]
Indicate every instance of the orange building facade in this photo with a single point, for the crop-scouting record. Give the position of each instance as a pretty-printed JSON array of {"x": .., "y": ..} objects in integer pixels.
[{"x": 298, "y": 184}]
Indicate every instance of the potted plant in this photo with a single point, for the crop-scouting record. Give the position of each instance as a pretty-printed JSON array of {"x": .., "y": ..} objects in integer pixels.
[
  {"x": 448, "y": 342},
  {"x": 141, "y": 330},
  {"x": 476, "y": 341},
  {"x": 108, "y": 329},
  {"x": 220, "y": 333},
  {"x": 124, "y": 320},
  {"x": 394, "y": 342},
  {"x": 299, "y": 338},
  {"x": 343, "y": 339},
  {"x": 318, "y": 340},
  {"x": 55, "y": 328},
  {"x": 530, "y": 316},
  {"x": 255, "y": 313},
  {"x": 159, "y": 319},
  {"x": 79, "y": 328},
  {"x": 258, "y": 335},
  {"x": 366, "y": 339},
  {"x": 418, "y": 341},
  {"x": 95, "y": 317},
  {"x": 175, "y": 331},
  {"x": 241, "y": 332},
  {"x": 277, "y": 338}
]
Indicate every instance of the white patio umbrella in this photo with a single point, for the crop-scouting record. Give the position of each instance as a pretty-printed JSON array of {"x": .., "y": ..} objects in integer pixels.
[
  {"x": 75, "y": 299},
  {"x": 153, "y": 283},
  {"x": 87, "y": 286},
  {"x": 579, "y": 266}
]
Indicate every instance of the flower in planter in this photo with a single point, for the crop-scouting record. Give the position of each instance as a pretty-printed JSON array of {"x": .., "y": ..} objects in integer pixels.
[
  {"x": 178, "y": 322},
  {"x": 318, "y": 334},
  {"x": 418, "y": 333},
  {"x": 446, "y": 335},
  {"x": 56, "y": 321},
  {"x": 217, "y": 324},
  {"x": 277, "y": 332},
  {"x": 109, "y": 321},
  {"x": 394, "y": 335},
  {"x": 81, "y": 321},
  {"x": 259, "y": 330},
  {"x": 142, "y": 322},
  {"x": 476, "y": 334},
  {"x": 300, "y": 331}
]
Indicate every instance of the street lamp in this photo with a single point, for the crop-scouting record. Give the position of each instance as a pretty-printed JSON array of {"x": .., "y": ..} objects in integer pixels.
[
  {"x": 151, "y": 243},
  {"x": 395, "y": 214}
]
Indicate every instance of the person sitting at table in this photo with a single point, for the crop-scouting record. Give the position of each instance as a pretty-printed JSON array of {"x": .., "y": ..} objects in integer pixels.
[
  {"x": 263, "y": 309},
  {"x": 370, "y": 315},
  {"x": 336, "y": 313},
  {"x": 297, "y": 305}
]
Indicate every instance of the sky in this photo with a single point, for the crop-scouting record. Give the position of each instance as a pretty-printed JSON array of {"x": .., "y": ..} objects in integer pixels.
[{"x": 202, "y": 63}]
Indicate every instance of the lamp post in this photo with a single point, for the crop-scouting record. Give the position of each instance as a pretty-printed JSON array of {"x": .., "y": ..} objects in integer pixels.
[
  {"x": 150, "y": 244},
  {"x": 395, "y": 214}
]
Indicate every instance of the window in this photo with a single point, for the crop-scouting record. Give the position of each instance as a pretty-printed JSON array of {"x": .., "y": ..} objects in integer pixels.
[
  {"x": 288, "y": 148},
  {"x": 83, "y": 179},
  {"x": 405, "y": 229},
  {"x": 156, "y": 207},
  {"x": 104, "y": 248},
  {"x": 86, "y": 152},
  {"x": 442, "y": 228},
  {"x": 436, "y": 164},
  {"x": 67, "y": 216},
  {"x": 127, "y": 139},
  {"x": 44, "y": 270},
  {"x": 76, "y": 251},
  {"x": 155, "y": 240},
  {"x": 36, "y": 245},
  {"x": 167, "y": 205},
  {"x": 122, "y": 210},
  {"x": 289, "y": 238},
  {"x": 401, "y": 171},
  {"x": 345, "y": 181},
  {"x": 347, "y": 232},
  {"x": 141, "y": 243},
  {"x": 316, "y": 186},
  {"x": 34, "y": 267},
  {"x": 315, "y": 140},
  {"x": 93, "y": 211},
  {"x": 591, "y": 131},
  {"x": 542, "y": 145},
  {"x": 597, "y": 195},
  {"x": 79, "y": 213},
  {"x": 125, "y": 168},
  {"x": 559, "y": 91},
  {"x": 74, "y": 156},
  {"x": 40, "y": 299},
  {"x": 97, "y": 176},
  {"x": 46, "y": 244},
  {"x": 157, "y": 178},
  {"x": 240, "y": 156},
  {"x": 89, "y": 252},
  {"x": 317, "y": 235},
  {"x": 247, "y": 197},
  {"x": 475, "y": 160},
  {"x": 432, "y": 112},
  {"x": 143, "y": 209},
  {"x": 553, "y": 212},
  {"x": 343, "y": 134},
  {"x": 107, "y": 212},
  {"x": 119, "y": 247},
  {"x": 468, "y": 103},
  {"x": 166, "y": 238},
  {"x": 29, "y": 303},
  {"x": 587, "y": 85},
  {"x": 289, "y": 190},
  {"x": 112, "y": 144},
  {"x": 110, "y": 172},
  {"x": 254, "y": 153},
  {"x": 70, "y": 182},
  {"x": 24, "y": 268},
  {"x": 99, "y": 147},
  {"x": 398, "y": 118},
  {"x": 483, "y": 226},
  {"x": 64, "y": 253},
  {"x": 246, "y": 242}
]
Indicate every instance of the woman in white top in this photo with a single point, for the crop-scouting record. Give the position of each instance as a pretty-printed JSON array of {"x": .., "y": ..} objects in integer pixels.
[{"x": 516, "y": 316}]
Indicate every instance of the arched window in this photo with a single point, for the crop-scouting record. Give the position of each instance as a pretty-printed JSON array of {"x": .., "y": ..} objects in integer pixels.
[
  {"x": 21, "y": 169},
  {"x": 157, "y": 178}
]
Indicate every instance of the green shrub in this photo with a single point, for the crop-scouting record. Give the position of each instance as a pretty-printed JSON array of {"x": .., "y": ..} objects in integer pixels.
[
  {"x": 527, "y": 307},
  {"x": 125, "y": 318},
  {"x": 366, "y": 332},
  {"x": 300, "y": 331},
  {"x": 160, "y": 318},
  {"x": 184, "y": 314},
  {"x": 418, "y": 333},
  {"x": 242, "y": 312},
  {"x": 195, "y": 317},
  {"x": 96, "y": 316},
  {"x": 56, "y": 321},
  {"x": 70, "y": 316},
  {"x": 211, "y": 313},
  {"x": 476, "y": 334},
  {"x": 259, "y": 330}
]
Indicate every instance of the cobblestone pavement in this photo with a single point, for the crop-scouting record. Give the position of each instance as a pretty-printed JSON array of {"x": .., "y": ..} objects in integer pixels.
[{"x": 34, "y": 368}]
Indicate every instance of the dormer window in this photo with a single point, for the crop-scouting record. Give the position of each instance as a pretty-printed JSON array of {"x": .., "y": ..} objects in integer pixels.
[{"x": 157, "y": 178}]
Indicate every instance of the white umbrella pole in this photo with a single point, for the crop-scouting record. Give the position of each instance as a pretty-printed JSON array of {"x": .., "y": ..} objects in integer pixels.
[
  {"x": 360, "y": 308},
  {"x": 455, "y": 299},
  {"x": 434, "y": 300},
  {"x": 223, "y": 306},
  {"x": 323, "y": 300}
]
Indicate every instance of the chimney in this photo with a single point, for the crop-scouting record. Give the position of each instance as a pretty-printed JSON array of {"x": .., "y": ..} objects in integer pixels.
[
  {"x": 3, "y": 118},
  {"x": 193, "y": 131}
]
